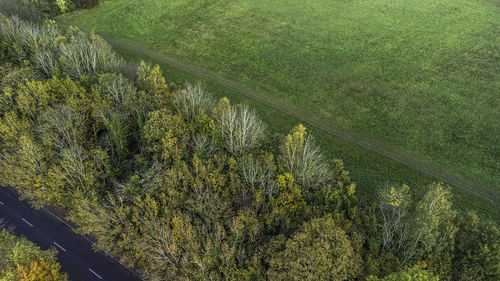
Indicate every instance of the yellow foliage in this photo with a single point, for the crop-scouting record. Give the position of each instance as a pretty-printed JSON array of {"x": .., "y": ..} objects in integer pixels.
[
  {"x": 296, "y": 137},
  {"x": 285, "y": 181},
  {"x": 151, "y": 79},
  {"x": 351, "y": 189},
  {"x": 397, "y": 196},
  {"x": 40, "y": 271},
  {"x": 223, "y": 106},
  {"x": 290, "y": 198}
]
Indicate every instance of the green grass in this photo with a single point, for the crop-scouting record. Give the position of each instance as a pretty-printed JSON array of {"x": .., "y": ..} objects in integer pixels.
[{"x": 419, "y": 76}]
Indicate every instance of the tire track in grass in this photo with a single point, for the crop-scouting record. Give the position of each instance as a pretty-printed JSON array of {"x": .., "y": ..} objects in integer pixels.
[
  {"x": 432, "y": 170},
  {"x": 120, "y": 7}
]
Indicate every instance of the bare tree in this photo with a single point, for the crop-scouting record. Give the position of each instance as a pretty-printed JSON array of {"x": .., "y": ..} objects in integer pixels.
[
  {"x": 241, "y": 129},
  {"x": 46, "y": 62},
  {"x": 22, "y": 8},
  {"x": 313, "y": 169},
  {"x": 258, "y": 174},
  {"x": 83, "y": 56},
  {"x": 10, "y": 29},
  {"x": 172, "y": 245},
  {"x": 193, "y": 100},
  {"x": 30, "y": 37},
  {"x": 303, "y": 158},
  {"x": 394, "y": 203},
  {"x": 62, "y": 126},
  {"x": 119, "y": 88},
  {"x": 432, "y": 226}
]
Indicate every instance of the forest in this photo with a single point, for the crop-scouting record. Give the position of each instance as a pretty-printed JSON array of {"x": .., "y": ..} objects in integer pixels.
[{"x": 180, "y": 186}]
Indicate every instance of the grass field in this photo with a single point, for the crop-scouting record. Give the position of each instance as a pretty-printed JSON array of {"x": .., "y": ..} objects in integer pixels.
[{"x": 419, "y": 76}]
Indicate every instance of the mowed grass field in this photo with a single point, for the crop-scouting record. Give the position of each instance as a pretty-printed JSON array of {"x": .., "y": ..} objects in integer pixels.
[{"x": 422, "y": 77}]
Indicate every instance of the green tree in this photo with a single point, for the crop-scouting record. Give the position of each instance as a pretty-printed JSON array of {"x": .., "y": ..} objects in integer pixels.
[
  {"x": 166, "y": 135},
  {"x": 477, "y": 249},
  {"x": 426, "y": 233},
  {"x": 412, "y": 274},
  {"x": 433, "y": 230},
  {"x": 320, "y": 250},
  {"x": 151, "y": 80},
  {"x": 394, "y": 204}
]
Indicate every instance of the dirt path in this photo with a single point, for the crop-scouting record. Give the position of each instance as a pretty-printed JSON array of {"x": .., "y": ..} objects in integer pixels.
[{"x": 434, "y": 171}]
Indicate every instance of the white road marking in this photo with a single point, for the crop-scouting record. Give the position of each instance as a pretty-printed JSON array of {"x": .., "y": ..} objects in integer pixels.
[
  {"x": 59, "y": 246},
  {"x": 1, "y": 203},
  {"x": 95, "y": 273},
  {"x": 27, "y": 222},
  {"x": 58, "y": 218}
]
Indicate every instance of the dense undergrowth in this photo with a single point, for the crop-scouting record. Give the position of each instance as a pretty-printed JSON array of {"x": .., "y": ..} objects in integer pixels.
[{"x": 184, "y": 187}]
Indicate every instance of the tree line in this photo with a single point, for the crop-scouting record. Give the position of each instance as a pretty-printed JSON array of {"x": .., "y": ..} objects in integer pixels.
[{"x": 185, "y": 187}]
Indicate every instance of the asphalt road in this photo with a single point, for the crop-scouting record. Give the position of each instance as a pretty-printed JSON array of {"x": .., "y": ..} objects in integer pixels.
[{"x": 47, "y": 229}]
